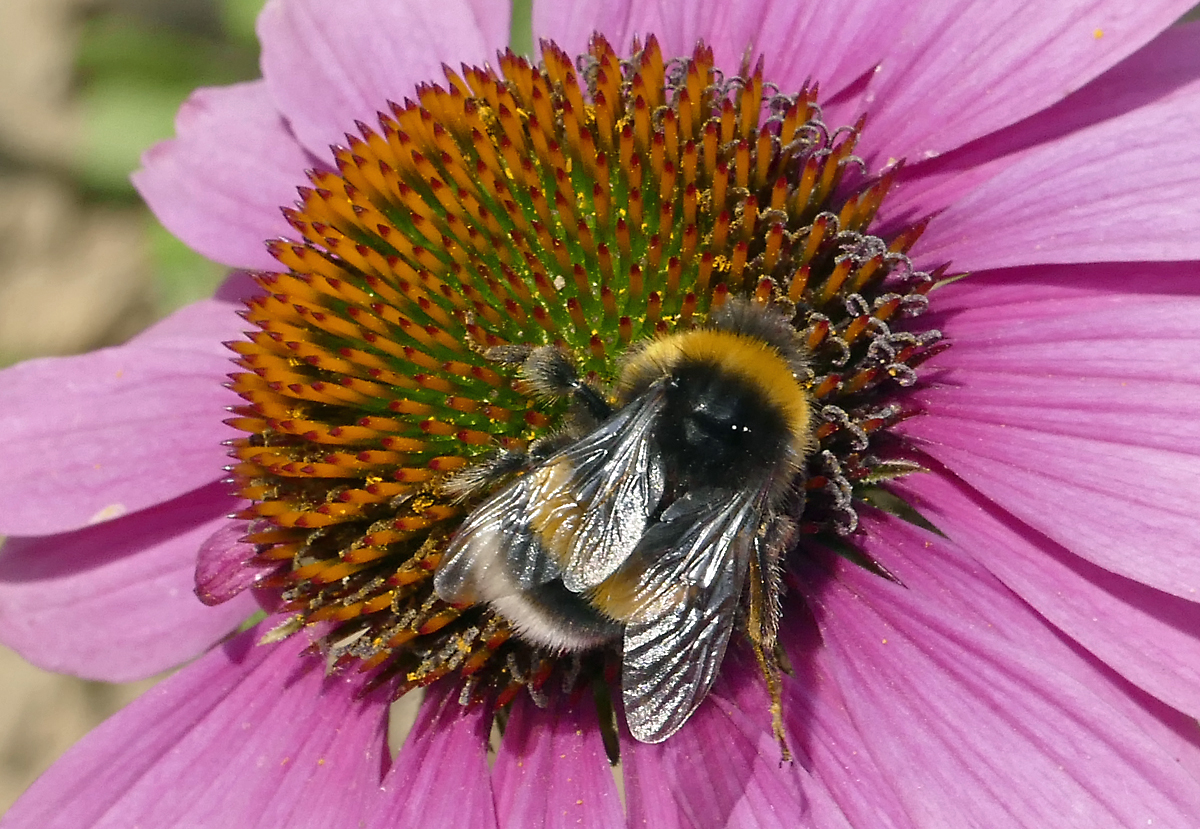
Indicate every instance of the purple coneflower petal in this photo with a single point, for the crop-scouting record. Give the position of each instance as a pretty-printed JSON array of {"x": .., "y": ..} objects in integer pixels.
[
  {"x": 1141, "y": 174},
  {"x": 90, "y": 438},
  {"x": 1166, "y": 67},
  {"x": 1069, "y": 398},
  {"x": 441, "y": 778},
  {"x": 224, "y": 566},
  {"x": 966, "y": 67},
  {"x": 828, "y": 42},
  {"x": 219, "y": 184},
  {"x": 114, "y": 601},
  {"x": 552, "y": 771},
  {"x": 729, "y": 28},
  {"x": 826, "y": 739},
  {"x": 977, "y": 712},
  {"x": 919, "y": 47},
  {"x": 724, "y": 769},
  {"x": 1147, "y": 636},
  {"x": 247, "y": 737},
  {"x": 326, "y": 70}
]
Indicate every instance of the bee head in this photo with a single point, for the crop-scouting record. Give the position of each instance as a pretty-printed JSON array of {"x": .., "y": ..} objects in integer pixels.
[{"x": 734, "y": 407}]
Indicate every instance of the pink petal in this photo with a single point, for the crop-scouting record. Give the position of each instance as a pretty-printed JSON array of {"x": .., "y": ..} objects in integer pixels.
[
  {"x": 219, "y": 184},
  {"x": 922, "y": 97},
  {"x": 1150, "y": 638},
  {"x": 1135, "y": 208},
  {"x": 727, "y": 27},
  {"x": 1166, "y": 67},
  {"x": 238, "y": 287},
  {"x": 249, "y": 736},
  {"x": 723, "y": 768},
  {"x": 974, "y": 710},
  {"x": 325, "y": 71},
  {"x": 832, "y": 43},
  {"x": 824, "y": 736},
  {"x": 1141, "y": 175},
  {"x": 223, "y": 565},
  {"x": 798, "y": 41},
  {"x": 551, "y": 770},
  {"x": 89, "y": 438},
  {"x": 115, "y": 601},
  {"x": 953, "y": 71},
  {"x": 440, "y": 777},
  {"x": 1072, "y": 406}
]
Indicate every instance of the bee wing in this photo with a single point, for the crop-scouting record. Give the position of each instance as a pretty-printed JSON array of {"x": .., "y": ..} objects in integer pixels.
[
  {"x": 619, "y": 495},
  {"x": 686, "y": 602},
  {"x": 493, "y": 538},
  {"x": 497, "y": 551}
]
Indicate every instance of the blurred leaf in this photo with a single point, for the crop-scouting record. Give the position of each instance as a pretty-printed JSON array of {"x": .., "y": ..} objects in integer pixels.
[
  {"x": 181, "y": 275},
  {"x": 520, "y": 36},
  {"x": 238, "y": 17},
  {"x": 134, "y": 74},
  {"x": 116, "y": 45},
  {"x": 121, "y": 120}
]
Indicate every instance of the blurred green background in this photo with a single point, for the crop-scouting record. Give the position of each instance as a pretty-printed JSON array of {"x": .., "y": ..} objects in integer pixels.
[
  {"x": 137, "y": 61},
  {"x": 86, "y": 87}
]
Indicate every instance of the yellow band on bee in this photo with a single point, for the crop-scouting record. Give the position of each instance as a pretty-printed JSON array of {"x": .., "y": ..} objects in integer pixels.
[{"x": 749, "y": 358}]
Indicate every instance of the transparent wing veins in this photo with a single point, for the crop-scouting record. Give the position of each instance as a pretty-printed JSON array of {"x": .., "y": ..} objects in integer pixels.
[
  {"x": 621, "y": 495},
  {"x": 674, "y": 646},
  {"x": 496, "y": 550}
]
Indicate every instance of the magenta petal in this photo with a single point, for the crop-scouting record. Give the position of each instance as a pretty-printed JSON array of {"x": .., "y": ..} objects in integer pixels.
[
  {"x": 951, "y": 71},
  {"x": 90, "y": 438},
  {"x": 551, "y": 770},
  {"x": 223, "y": 566},
  {"x": 1141, "y": 174},
  {"x": 1165, "y": 67},
  {"x": 923, "y": 98},
  {"x": 1150, "y": 638},
  {"x": 723, "y": 768},
  {"x": 440, "y": 777},
  {"x": 248, "y": 737},
  {"x": 798, "y": 41},
  {"x": 974, "y": 710},
  {"x": 729, "y": 28},
  {"x": 831, "y": 42},
  {"x": 219, "y": 184},
  {"x": 1071, "y": 404},
  {"x": 325, "y": 71},
  {"x": 827, "y": 742},
  {"x": 115, "y": 601}
]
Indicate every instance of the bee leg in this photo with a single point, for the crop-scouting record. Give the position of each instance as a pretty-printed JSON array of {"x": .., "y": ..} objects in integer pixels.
[
  {"x": 508, "y": 353},
  {"x": 484, "y": 476},
  {"x": 487, "y": 474},
  {"x": 769, "y": 665},
  {"x": 551, "y": 374},
  {"x": 763, "y": 622}
]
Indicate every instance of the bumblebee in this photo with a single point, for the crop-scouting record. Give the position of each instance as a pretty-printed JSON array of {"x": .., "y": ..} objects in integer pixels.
[{"x": 656, "y": 527}]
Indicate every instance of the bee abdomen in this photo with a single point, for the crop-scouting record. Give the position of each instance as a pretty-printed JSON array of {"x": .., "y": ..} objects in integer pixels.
[{"x": 554, "y": 617}]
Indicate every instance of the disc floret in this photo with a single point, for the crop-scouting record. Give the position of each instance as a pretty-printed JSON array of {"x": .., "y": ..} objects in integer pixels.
[{"x": 589, "y": 204}]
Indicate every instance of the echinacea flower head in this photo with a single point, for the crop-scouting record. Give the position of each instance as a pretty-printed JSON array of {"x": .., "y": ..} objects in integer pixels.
[{"x": 972, "y": 601}]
